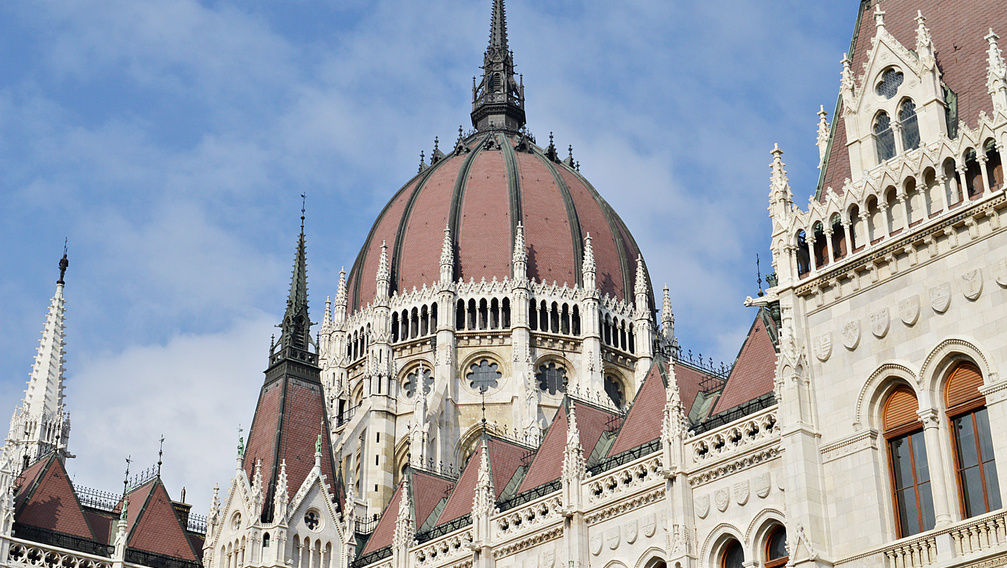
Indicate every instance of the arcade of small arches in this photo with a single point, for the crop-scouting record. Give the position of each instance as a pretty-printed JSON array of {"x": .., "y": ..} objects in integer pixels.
[
  {"x": 767, "y": 547},
  {"x": 895, "y": 208},
  {"x": 310, "y": 553}
]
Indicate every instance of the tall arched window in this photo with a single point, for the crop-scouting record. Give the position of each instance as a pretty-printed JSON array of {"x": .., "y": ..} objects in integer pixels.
[
  {"x": 884, "y": 138},
  {"x": 910, "y": 126},
  {"x": 970, "y": 432},
  {"x": 776, "y": 547},
  {"x": 907, "y": 459},
  {"x": 732, "y": 556}
]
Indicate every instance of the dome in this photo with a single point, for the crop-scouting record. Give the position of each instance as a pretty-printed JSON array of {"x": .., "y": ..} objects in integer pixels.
[{"x": 492, "y": 181}]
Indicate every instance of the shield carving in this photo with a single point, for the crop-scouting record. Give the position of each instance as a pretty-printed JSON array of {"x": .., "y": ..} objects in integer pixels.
[
  {"x": 909, "y": 310},
  {"x": 612, "y": 538},
  {"x": 940, "y": 298},
  {"x": 596, "y": 544},
  {"x": 762, "y": 485},
  {"x": 649, "y": 524},
  {"x": 703, "y": 506},
  {"x": 972, "y": 283},
  {"x": 823, "y": 346},
  {"x": 880, "y": 323},
  {"x": 630, "y": 530},
  {"x": 722, "y": 498},
  {"x": 851, "y": 335},
  {"x": 1000, "y": 270},
  {"x": 549, "y": 558},
  {"x": 741, "y": 492}
]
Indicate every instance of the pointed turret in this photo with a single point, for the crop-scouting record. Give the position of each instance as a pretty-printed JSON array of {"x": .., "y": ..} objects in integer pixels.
[
  {"x": 498, "y": 100},
  {"x": 485, "y": 497},
  {"x": 641, "y": 289},
  {"x": 520, "y": 256},
  {"x": 447, "y": 257},
  {"x": 405, "y": 529},
  {"x": 40, "y": 424},
  {"x": 384, "y": 275},
  {"x": 996, "y": 74},
  {"x": 668, "y": 322},
  {"x": 339, "y": 313},
  {"x": 823, "y": 135},
  {"x": 588, "y": 268}
]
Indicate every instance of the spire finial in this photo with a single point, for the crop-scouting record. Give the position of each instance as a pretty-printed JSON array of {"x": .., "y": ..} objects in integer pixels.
[
  {"x": 160, "y": 455},
  {"x": 303, "y": 201},
  {"x": 879, "y": 15},
  {"x": 498, "y": 100},
  {"x": 63, "y": 263},
  {"x": 758, "y": 273},
  {"x": 296, "y": 325}
]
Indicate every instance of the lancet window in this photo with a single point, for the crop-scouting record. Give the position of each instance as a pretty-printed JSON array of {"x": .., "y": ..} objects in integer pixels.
[
  {"x": 978, "y": 486},
  {"x": 884, "y": 138},
  {"x": 910, "y": 125},
  {"x": 907, "y": 458}
]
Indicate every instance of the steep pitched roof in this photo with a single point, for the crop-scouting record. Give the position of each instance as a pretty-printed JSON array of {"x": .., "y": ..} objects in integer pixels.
[
  {"x": 755, "y": 368},
  {"x": 643, "y": 421},
  {"x": 426, "y": 492},
  {"x": 958, "y": 30},
  {"x": 689, "y": 381},
  {"x": 547, "y": 465},
  {"x": 46, "y": 500},
  {"x": 155, "y": 526},
  {"x": 504, "y": 457},
  {"x": 385, "y": 530}
]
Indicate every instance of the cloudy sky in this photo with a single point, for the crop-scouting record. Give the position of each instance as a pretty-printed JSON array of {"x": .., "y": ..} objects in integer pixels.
[{"x": 169, "y": 141}]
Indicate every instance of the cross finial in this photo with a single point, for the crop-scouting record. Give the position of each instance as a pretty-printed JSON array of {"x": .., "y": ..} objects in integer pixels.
[
  {"x": 160, "y": 454},
  {"x": 125, "y": 479},
  {"x": 758, "y": 272},
  {"x": 879, "y": 15}
]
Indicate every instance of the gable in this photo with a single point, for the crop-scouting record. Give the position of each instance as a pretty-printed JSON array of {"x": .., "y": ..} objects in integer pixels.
[
  {"x": 50, "y": 503},
  {"x": 156, "y": 527}
]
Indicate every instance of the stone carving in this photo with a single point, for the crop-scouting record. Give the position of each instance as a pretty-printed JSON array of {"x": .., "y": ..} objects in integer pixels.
[
  {"x": 549, "y": 558},
  {"x": 741, "y": 492},
  {"x": 823, "y": 346},
  {"x": 612, "y": 538},
  {"x": 909, "y": 310},
  {"x": 722, "y": 498},
  {"x": 630, "y": 529},
  {"x": 851, "y": 335},
  {"x": 1000, "y": 272},
  {"x": 703, "y": 506},
  {"x": 880, "y": 322},
  {"x": 940, "y": 298},
  {"x": 972, "y": 283},
  {"x": 595, "y": 543},
  {"x": 649, "y": 524},
  {"x": 762, "y": 485}
]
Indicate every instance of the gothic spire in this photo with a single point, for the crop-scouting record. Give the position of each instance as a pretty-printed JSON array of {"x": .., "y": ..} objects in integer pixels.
[
  {"x": 296, "y": 325},
  {"x": 498, "y": 100}
]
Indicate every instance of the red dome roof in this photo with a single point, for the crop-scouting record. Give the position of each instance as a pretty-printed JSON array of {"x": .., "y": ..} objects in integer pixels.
[{"x": 481, "y": 193}]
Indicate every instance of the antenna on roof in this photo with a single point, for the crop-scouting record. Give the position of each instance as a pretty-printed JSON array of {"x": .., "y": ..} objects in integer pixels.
[
  {"x": 160, "y": 454},
  {"x": 758, "y": 273}
]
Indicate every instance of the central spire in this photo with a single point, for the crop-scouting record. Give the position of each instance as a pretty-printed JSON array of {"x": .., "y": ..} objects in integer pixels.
[{"x": 498, "y": 100}]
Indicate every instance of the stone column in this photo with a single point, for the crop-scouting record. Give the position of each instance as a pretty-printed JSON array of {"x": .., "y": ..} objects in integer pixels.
[
  {"x": 935, "y": 461},
  {"x": 982, "y": 159},
  {"x": 830, "y": 254}
]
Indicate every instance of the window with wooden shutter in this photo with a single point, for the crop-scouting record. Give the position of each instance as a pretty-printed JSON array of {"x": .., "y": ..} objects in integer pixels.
[
  {"x": 907, "y": 459},
  {"x": 978, "y": 486}
]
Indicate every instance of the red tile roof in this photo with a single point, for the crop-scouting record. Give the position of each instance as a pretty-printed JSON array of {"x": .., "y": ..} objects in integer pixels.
[
  {"x": 156, "y": 527},
  {"x": 427, "y": 490},
  {"x": 547, "y": 465},
  {"x": 689, "y": 379},
  {"x": 46, "y": 500},
  {"x": 505, "y": 457},
  {"x": 958, "y": 30},
  {"x": 384, "y": 532},
  {"x": 755, "y": 369},
  {"x": 645, "y": 416}
]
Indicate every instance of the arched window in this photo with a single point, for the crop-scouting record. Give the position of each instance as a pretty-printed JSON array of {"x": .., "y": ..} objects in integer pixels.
[
  {"x": 551, "y": 378},
  {"x": 838, "y": 237},
  {"x": 803, "y": 256},
  {"x": 884, "y": 138},
  {"x": 910, "y": 126},
  {"x": 265, "y": 540},
  {"x": 732, "y": 556},
  {"x": 973, "y": 174},
  {"x": 483, "y": 375},
  {"x": 907, "y": 459},
  {"x": 994, "y": 166},
  {"x": 970, "y": 432},
  {"x": 615, "y": 391},
  {"x": 776, "y": 547}
]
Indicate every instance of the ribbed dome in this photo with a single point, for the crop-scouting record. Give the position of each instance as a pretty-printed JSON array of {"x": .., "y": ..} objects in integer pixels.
[{"x": 481, "y": 191}]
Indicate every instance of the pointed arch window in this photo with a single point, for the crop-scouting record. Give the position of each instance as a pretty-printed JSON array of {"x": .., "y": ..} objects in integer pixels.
[
  {"x": 776, "y": 548},
  {"x": 884, "y": 138},
  {"x": 907, "y": 459},
  {"x": 910, "y": 126},
  {"x": 978, "y": 486},
  {"x": 733, "y": 555}
]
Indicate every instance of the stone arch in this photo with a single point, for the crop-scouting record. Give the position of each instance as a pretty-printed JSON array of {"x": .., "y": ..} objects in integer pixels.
[
  {"x": 467, "y": 443},
  {"x": 615, "y": 564},
  {"x": 759, "y": 529},
  {"x": 651, "y": 558},
  {"x": 945, "y": 355},
  {"x": 877, "y": 386},
  {"x": 716, "y": 540}
]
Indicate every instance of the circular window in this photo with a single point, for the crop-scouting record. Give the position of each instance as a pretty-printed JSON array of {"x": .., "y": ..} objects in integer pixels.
[
  {"x": 313, "y": 520},
  {"x": 483, "y": 376},
  {"x": 890, "y": 82},
  {"x": 413, "y": 378},
  {"x": 551, "y": 378},
  {"x": 236, "y": 521}
]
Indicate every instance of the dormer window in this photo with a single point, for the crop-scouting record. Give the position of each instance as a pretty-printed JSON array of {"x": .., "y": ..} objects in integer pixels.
[
  {"x": 910, "y": 127},
  {"x": 884, "y": 138},
  {"x": 890, "y": 82}
]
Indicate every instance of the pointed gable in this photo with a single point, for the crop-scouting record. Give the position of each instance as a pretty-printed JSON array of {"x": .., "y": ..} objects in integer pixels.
[
  {"x": 156, "y": 527},
  {"x": 385, "y": 530},
  {"x": 754, "y": 370},
  {"x": 47, "y": 500},
  {"x": 547, "y": 465},
  {"x": 505, "y": 458},
  {"x": 643, "y": 422}
]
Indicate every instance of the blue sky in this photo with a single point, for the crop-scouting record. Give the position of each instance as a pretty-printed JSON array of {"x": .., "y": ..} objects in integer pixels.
[{"x": 169, "y": 141}]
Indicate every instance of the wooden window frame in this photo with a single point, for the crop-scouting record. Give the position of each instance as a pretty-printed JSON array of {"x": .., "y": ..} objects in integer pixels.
[
  {"x": 968, "y": 408},
  {"x": 905, "y": 431},
  {"x": 778, "y": 562},
  {"x": 726, "y": 548}
]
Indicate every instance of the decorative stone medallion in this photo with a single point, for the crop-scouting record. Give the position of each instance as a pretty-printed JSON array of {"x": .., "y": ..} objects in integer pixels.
[
  {"x": 722, "y": 498},
  {"x": 595, "y": 543},
  {"x": 630, "y": 529},
  {"x": 972, "y": 283},
  {"x": 880, "y": 322},
  {"x": 549, "y": 558},
  {"x": 823, "y": 346},
  {"x": 851, "y": 335},
  {"x": 1000, "y": 270},
  {"x": 741, "y": 492},
  {"x": 703, "y": 506},
  {"x": 762, "y": 485},
  {"x": 909, "y": 310},
  {"x": 612, "y": 538},
  {"x": 649, "y": 524},
  {"x": 940, "y": 297}
]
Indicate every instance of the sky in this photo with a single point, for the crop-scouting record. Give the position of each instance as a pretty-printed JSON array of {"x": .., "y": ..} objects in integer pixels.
[{"x": 168, "y": 142}]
